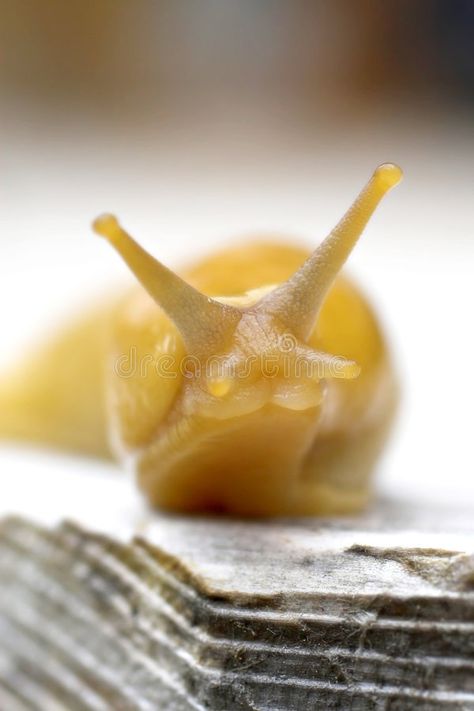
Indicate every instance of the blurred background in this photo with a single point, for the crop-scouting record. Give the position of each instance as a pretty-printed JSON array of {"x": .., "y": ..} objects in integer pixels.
[{"x": 201, "y": 122}]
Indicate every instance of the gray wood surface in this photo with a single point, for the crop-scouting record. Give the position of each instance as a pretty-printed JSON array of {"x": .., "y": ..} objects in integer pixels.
[{"x": 368, "y": 613}]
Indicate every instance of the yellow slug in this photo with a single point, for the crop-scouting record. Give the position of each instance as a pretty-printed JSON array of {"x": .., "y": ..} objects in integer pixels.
[{"x": 257, "y": 384}]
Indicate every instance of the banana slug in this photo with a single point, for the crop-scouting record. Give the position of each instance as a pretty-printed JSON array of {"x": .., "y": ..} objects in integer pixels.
[{"x": 259, "y": 383}]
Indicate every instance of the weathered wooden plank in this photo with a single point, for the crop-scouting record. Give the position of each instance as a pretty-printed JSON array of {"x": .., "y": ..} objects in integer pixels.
[{"x": 373, "y": 613}]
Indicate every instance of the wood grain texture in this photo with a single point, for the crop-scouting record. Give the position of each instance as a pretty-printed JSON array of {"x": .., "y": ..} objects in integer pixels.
[{"x": 374, "y": 613}]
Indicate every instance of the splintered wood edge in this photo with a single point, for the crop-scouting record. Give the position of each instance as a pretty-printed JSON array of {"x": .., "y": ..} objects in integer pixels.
[{"x": 446, "y": 569}]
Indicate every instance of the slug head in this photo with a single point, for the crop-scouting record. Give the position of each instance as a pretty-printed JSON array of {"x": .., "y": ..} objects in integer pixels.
[{"x": 249, "y": 354}]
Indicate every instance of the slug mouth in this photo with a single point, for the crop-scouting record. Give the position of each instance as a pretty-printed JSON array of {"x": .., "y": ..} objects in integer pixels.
[{"x": 247, "y": 464}]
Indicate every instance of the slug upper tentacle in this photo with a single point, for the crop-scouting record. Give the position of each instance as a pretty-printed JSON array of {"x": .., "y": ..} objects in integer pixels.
[
  {"x": 201, "y": 320},
  {"x": 297, "y": 301},
  {"x": 257, "y": 383}
]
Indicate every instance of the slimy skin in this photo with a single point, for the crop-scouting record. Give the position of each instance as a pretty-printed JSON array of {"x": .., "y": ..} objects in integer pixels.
[{"x": 256, "y": 384}]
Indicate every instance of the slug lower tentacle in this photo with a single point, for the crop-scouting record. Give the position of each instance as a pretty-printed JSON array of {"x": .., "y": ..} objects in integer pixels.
[{"x": 258, "y": 383}]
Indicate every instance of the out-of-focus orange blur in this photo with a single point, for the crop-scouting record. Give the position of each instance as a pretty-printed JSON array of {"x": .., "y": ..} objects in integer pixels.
[{"x": 115, "y": 54}]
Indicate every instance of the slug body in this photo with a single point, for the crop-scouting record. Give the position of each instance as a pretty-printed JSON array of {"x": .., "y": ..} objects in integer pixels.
[{"x": 259, "y": 383}]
